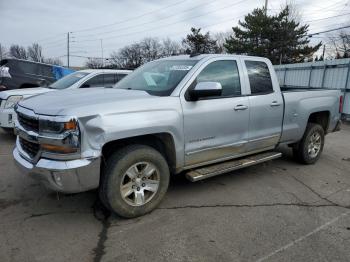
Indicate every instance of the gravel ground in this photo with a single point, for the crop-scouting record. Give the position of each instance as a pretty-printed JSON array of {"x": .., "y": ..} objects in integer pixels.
[{"x": 276, "y": 211}]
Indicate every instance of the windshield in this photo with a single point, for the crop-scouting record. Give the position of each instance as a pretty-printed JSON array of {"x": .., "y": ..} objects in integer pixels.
[
  {"x": 68, "y": 80},
  {"x": 157, "y": 78}
]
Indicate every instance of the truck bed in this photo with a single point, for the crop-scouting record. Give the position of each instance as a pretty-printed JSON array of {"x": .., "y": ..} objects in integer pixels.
[{"x": 300, "y": 103}]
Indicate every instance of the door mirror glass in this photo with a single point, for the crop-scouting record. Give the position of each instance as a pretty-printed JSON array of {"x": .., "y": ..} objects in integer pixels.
[{"x": 205, "y": 89}]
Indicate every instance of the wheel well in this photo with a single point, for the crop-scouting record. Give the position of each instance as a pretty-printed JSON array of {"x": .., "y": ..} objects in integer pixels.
[
  {"x": 321, "y": 118},
  {"x": 163, "y": 142},
  {"x": 28, "y": 85}
]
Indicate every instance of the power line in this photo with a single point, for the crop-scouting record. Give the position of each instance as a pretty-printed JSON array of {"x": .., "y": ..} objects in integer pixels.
[
  {"x": 165, "y": 25},
  {"x": 150, "y": 22},
  {"x": 325, "y": 18},
  {"x": 130, "y": 19},
  {"x": 330, "y": 30}
]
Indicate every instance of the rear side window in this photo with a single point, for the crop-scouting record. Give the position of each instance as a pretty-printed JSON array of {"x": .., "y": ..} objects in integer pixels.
[
  {"x": 110, "y": 80},
  {"x": 259, "y": 77},
  {"x": 121, "y": 76},
  {"x": 96, "y": 81},
  {"x": 226, "y": 73}
]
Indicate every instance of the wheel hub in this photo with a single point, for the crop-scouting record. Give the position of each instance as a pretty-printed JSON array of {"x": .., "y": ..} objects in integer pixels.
[
  {"x": 314, "y": 146},
  {"x": 140, "y": 183}
]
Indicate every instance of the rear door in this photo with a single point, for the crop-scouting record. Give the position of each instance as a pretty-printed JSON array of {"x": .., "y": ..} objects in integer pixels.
[
  {"x": 216, "y": 128},
  {"x": 266, "y": 106}
]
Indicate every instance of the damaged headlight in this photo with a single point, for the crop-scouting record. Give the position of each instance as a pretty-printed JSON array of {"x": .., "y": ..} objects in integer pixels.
[{"x": 67, "y": 131}]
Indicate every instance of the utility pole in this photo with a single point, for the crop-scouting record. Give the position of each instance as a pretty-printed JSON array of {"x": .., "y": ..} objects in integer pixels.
[
  {"x": 266, "y": 2},
  {"x": 68, "y": 49},
  {"x": 324, "y": 49},
  {"x": 102, "y": 52}
]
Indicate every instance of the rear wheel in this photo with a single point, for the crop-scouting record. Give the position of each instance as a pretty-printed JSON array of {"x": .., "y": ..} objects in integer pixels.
[
  {"x": 135, "y": 181},
  {"x": 310, "y": 147}
]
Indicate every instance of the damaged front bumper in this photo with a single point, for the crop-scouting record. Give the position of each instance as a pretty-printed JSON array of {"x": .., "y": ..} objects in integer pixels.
[{"x": 70, "y": 176}]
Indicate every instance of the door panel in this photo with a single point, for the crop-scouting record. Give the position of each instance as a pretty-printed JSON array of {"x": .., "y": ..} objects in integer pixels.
[
  {"x": 266, "y": 107},
  {"x": 214, "y": 129},
  {"x": 265, "y": 121}
]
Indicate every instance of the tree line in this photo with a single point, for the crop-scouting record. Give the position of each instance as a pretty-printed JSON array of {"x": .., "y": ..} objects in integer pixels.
[{"x": 32, "y": 53}]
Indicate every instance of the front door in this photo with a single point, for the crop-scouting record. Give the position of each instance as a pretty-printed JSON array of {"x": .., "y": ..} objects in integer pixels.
[{"x": 216, "y": 128}]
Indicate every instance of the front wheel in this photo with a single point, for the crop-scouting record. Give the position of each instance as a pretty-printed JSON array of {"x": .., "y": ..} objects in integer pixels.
[
  {"x": 310, "y": 147},
  {"x": 135, "y": 181}
]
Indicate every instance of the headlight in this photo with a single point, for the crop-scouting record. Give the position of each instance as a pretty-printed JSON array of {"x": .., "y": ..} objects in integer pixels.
[
  {"x": 47, "y": 126},
  {"x": 12, "y": 101},
  {"x": 68, "y": 131}
]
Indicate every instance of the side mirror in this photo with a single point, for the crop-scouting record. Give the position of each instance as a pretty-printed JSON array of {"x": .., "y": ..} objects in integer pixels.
[{"x": 205, "y": 89}]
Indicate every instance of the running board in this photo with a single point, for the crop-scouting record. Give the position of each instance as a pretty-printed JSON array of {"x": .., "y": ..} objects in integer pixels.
[{"x": 224, "y": 167}]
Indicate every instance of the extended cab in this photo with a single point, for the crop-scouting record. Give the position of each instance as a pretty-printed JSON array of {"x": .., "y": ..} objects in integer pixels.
[
  {"x": 203, "y": 115},
  {"x": 80, "y": 79}
]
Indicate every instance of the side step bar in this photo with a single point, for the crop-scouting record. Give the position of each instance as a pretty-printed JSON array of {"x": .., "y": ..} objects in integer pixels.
[{"x": 224, "y": 167}]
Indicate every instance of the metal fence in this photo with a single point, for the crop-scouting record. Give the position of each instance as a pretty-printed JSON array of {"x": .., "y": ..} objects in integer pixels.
[{"x": 329, "y": 74}]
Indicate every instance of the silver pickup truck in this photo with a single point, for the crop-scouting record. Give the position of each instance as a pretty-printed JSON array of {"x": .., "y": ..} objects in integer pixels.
[{"x": 200, "y": 115}]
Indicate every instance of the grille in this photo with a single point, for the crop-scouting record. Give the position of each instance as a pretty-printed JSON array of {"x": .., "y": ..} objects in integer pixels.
[
  {"x": 28, "y": 123},
  {"x": 30, "y": 148}
]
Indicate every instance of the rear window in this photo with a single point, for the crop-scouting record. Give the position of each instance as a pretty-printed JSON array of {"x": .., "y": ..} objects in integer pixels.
[{"x": 259, "y": 77}]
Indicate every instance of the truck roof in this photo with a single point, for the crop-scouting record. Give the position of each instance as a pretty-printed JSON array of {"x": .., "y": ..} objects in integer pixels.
[
  {"x": 207, "y": 56},
  {"x": 105, "y": 71}
]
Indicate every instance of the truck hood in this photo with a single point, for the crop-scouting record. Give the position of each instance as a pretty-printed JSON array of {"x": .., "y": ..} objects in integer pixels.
[
  {"x": 80, "y": 100},
  {"x": 26, "y": 92}
]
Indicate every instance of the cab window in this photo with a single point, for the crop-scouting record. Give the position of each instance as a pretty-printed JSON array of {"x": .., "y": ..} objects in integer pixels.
[
  {"x": 259, "y": 77},
  {"x": 226, "y": 73}
]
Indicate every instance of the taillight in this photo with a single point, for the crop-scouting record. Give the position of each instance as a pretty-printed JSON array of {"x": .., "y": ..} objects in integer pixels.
[{"x": 341, "y": 104}]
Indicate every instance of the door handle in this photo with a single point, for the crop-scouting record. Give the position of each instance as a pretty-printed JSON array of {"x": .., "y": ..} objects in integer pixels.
[
  {"x": 240, "y": 107},
  {"x": 275, "y": 103}
]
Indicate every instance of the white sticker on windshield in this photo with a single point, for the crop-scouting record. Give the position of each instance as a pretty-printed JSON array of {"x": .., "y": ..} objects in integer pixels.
[{"x": 181, "y": 67}]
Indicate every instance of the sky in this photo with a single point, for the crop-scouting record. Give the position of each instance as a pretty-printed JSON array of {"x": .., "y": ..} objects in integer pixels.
[{"x": 122, "y": 22}]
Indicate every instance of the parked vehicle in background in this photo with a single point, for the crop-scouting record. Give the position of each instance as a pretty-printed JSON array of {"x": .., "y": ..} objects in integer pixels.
[
  {"x": 18, "y": 74},
  {"x": 204, "y": 115},
  {"x": 80, "y": 79}
]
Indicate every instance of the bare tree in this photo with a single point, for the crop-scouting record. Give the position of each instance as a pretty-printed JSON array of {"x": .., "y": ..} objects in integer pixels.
[
  {"x": 220, "y": 38},
  {"x": 3, "y": 52},
  {"x": 340, "y": 45},
  {"x": 94, "y": 63},
  {"x": 129, "y": 57},
  {"x": 151, "y": 49},
  {"x": 170, "y": 47},
  {"x": 35, "y": 53},
  {"x": 53, "y": 61},
  {"x": 19, "y": 52}
]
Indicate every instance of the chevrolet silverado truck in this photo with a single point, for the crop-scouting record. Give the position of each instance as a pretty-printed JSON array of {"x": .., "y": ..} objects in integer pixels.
[{"x": 201, "y": 115}]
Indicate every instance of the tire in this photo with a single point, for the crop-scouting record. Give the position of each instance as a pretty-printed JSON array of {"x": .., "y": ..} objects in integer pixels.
[
  {"x": 310, "y": 147},
  {"x": 128, "y": 166}
]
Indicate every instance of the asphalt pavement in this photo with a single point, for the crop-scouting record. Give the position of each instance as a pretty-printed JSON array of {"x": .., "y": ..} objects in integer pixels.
[{"x": 275, "y": 211}]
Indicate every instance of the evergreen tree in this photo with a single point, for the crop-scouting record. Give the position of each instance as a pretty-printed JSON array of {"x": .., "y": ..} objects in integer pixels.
[
  {"x": 198, "y": 43},
  {"x": 278, "y": 37}
]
